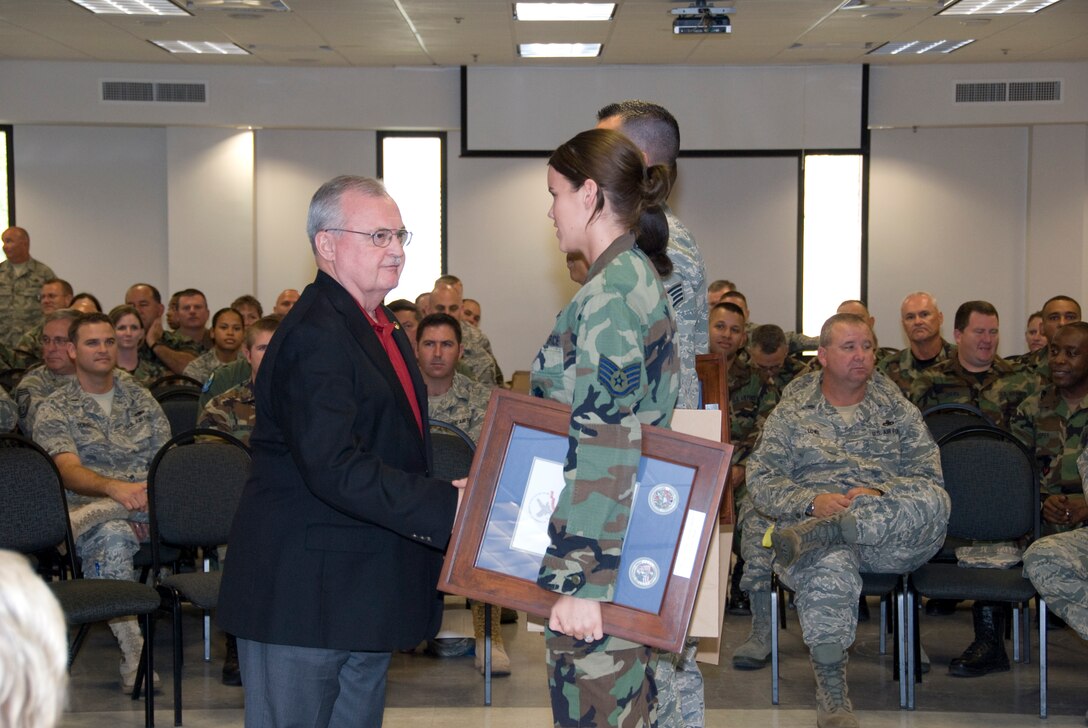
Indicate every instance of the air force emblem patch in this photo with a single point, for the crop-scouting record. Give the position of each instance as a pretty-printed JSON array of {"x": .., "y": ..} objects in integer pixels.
[{"x": 616, "y": 380}]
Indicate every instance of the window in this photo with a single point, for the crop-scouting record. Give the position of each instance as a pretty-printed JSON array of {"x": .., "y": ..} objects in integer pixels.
[
  {"x": 7, "y": 176},
  {"x": 412, "y": 165}
]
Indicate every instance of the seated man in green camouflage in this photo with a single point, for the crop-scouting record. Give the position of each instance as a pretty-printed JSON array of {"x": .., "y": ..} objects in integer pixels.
[
  {"x": 850, "y": 474},
  {"x": 176, "y": 349},
  {"x": 1056, "y": 312},
  {"x": 234, "y": 411},
  {"x": 454, "y": 398},
  {"x": 769, "y": 353}
]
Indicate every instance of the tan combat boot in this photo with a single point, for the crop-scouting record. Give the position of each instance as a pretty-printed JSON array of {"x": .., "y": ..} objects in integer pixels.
[
  {"x": 833, "y": 708},
  {"x": 500, "y": 661},
  {"x": 755, "y": 652}
]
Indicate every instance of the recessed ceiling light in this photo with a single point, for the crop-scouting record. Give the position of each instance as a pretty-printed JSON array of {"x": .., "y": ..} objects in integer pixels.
[
  {"x": 919, "y": 47},
  {"x": 131, "y": 7},
  {"x": 564, "y": 11},
  {"x": 996, "y": 7},
  {"x": 559, "y": 50},
  {"x": 201, "y": 47}
]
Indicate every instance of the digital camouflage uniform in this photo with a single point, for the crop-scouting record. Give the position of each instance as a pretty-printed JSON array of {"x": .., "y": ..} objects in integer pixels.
[
  {"x": 807, "y": 449},
  {"x": 19, "y": 307},
  {"x": 120, "y": 446},
  {"x": 9, "y": 412},
  {"x": 612, "y": 358},
  {"x": 33, "y": 389},
  {"x": 903, "y": 367},
  {"x": 28, "y": 350},
  {"x": 686, "y": 288},
  {"x": 1056, "y": 435},
  {"x": 463, "y": 405},
  {"x": 478, "y": 361},
  {"x": 1058, "y": 567},
  {"x": 998, "y": 392},
  {"x": 202, "y": 367},
  {"x": 233, "y": 412}
]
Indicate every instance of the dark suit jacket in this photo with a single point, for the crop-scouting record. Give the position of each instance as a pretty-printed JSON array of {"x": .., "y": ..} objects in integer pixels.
[{"x": 339, "y": 535}]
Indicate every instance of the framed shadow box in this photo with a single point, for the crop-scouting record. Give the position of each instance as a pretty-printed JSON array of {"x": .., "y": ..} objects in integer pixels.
[{"x": 501, "y": 531}]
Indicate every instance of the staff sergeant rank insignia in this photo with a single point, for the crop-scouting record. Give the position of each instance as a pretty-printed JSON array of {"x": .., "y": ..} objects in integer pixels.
[{"x": 618, "y": 381}]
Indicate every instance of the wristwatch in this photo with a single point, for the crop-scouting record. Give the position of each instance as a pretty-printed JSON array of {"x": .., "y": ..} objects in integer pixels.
[{"x": 810, "y": 511}]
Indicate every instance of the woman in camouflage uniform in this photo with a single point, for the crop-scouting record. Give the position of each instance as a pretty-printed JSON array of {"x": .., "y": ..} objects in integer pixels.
[
  {"x": 130, "y": 338},
  {"x": 612, "y": 358}
]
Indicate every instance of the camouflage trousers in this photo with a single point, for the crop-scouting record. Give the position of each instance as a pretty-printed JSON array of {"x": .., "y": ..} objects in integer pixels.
[
  {"x": 106, "y": 551},
  {"x": 680, "y": 688},
  {"x": 757, "y": 558},
  {"x": 897, "y": 533},
  {"x": 1058, "y": 567},
  {"x": 609, "y": 682}
]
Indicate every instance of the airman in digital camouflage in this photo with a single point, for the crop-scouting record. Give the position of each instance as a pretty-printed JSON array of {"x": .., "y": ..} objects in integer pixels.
[
  {"x": 55, "y": 294},
  {"x": 850, "y": 474},
  {"x": 921, "y": 321},
  {"x": 57, "y": 369},
  {"x": 975, "y": 376},
  {"x": 612, "y": 358},
  {"x": 21, "y": 279},
  {"x": 102, "y": 430}
]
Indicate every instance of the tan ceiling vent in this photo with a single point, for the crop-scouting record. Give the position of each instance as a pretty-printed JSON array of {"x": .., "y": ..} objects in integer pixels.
[
  {"x": 974, "y": 92},
  {"x": 155, "y": 92}
]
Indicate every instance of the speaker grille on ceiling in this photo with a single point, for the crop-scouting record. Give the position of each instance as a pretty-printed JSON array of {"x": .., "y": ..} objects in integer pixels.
[
  {"x": 155, "y": 92},
  {"x": 1008, "y": 91}
]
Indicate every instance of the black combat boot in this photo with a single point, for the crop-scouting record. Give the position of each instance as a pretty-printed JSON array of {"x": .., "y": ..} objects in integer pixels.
[{"x": 987, "y": 653}]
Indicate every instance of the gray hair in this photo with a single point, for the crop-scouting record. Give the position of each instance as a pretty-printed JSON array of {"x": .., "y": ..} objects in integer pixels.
[
  {"x": 325, "y": 209},
  {"x": 851, "y": 319}
]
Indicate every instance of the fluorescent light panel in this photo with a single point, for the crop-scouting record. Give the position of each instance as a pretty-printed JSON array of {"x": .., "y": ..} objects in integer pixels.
[
  {"x": 201, "y": 47},
  {"x": 131, "y": 7},
  {"x": 564, "y": 11},
  {"x": 996, "y": 7},
  {"x": 919, "y": 47},
  {"x": 559, "y": 50}
]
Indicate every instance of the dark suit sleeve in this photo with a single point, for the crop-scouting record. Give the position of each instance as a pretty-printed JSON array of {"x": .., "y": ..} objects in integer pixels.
[{"x": 355, "y": 447}]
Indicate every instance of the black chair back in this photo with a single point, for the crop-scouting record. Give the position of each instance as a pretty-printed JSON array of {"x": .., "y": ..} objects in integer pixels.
[
  {"x": 944, "y": 419},
  {"x": 181, "y": 406},
  {"x": 193, "y": 488},
  {"x": 33, "y": 512},
  {"x": 453, "y": 450},
  {"x": 990, "y": 478}
]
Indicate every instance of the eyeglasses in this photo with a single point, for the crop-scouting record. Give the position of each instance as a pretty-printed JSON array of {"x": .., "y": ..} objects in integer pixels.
[
  {"x": 55, "y": 341},
  {"x": 381, "y": 237}
]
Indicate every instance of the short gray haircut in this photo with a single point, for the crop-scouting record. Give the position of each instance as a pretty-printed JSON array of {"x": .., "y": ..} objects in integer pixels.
[
  {"x": 927, "y": 294},
  {"x": 851, "y": 319},
  {"x": 63, "y": 314},
  {"x": 33, "y": 647},
  {"x": 325, "y": 208}
]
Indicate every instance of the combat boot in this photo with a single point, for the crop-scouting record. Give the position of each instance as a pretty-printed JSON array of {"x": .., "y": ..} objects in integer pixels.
[
  {"x": 791, "y": 543},
  {"x": 755, "y": 652},
  {"x": 833, "y": 708},
  {"x": 131, "y": 640},
  {"x": 500, "y": 661},
  {"x": 987, "y": 653}
]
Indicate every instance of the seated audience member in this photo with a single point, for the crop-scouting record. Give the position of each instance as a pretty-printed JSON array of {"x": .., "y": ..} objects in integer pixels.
[
  {"x": 1058, "y": 567},
  {"x": 102, "y": 430},
  {"x": 1033, "y": 332},
  {"x": 454, "y": 398},
  {"x": 797, "y": 342},
  {"x": 471, "y": 312},
  {"x": 407, "y": 316},
  {"x": 285, "y": 301},
  {"x": 55, "y": 294},
  {"x": 1057, "y": 312},
  {"x": 190, "y": 339},
  {"x": 235, "y": 413},
  {"x": 717, "y": 289},
  {"x": 173, "y": 318},
  {"x": 769, "y": 353},
  {"x": 751, "y": 399},
  {"x": 86, "y": 303},
  {"x": 33, "y": 648},
  {"x": 9, "y": 412},
  {"x": 249, "y": 307},
  {"x": 423, "y": 303},
  {"x": 478, "y": 361},
  {"x": 129, "y": 329},
  {"x": 228, "y": 332},
  {"x": 852, "y": 477},
  {"x": 55, "y": 370},
  {"x": 975, "y": 375},
  {"x": 922, "y": 322}
]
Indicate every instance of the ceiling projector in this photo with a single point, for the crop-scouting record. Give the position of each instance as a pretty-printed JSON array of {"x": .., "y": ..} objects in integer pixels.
[{"x": 699, "y": 17}]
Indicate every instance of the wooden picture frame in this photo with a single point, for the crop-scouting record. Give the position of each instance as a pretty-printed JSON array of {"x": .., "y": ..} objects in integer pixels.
[{"x": 496, "y": 546}]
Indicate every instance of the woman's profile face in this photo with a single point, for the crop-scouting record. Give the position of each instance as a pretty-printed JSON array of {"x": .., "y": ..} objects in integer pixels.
[
  {"x": 568, "y": 212},
  {"x": 130, "y": 332}
]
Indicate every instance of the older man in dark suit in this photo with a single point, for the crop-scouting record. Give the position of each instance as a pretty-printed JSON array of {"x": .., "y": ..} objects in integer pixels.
[{"x": 337, "y": 544}]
